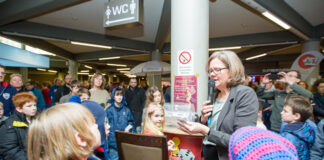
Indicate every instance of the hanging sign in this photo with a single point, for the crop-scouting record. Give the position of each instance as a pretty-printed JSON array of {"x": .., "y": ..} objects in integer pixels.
[
  {"x": 306, "y": 63},
  {"x": 185, "y": 63},
  {"x": 123, "y": 12}
]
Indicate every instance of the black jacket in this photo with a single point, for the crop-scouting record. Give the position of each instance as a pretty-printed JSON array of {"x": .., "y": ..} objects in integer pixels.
[
  {"x": 13, "y": 137},
  {"x": 62, "y": 91},
  {"x": 135, "y": 102}
]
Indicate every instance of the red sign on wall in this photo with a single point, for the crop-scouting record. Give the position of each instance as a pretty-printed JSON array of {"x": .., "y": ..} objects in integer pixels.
[{"x": 185, "y": 90}]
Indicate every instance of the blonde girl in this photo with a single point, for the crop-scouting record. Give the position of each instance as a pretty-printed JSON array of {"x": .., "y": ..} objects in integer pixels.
[
  {"x": 154, "y": 122},
  {"x": 154, "y": 119},
  {"x": 64, "y": 132}
]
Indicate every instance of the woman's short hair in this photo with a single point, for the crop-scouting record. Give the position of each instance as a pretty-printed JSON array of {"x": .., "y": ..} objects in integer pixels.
[
  {"x": 103, "y": 80},
  {"x": 52, "y": 134},
  {"x": 234, "y": 65}
]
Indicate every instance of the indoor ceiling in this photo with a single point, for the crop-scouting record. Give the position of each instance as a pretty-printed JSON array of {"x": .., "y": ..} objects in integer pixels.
[{"x": 52, "y": 24}]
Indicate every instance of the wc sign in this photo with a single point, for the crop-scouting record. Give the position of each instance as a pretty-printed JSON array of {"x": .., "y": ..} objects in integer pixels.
[{"x": 123, "y": 12}]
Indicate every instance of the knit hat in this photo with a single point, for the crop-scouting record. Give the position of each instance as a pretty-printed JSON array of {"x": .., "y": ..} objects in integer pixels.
[{"x": 249, "y": 143}]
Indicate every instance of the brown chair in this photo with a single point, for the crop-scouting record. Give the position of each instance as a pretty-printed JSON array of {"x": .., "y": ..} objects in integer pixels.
[{"x": 133, "y": 146}]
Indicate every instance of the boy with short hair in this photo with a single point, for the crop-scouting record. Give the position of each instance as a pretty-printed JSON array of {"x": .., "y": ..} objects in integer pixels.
[
  {"x": 75, "y": 87},
  {"x": 298, "y": 130},
  {"x": 120, "y": 118},
  {"x": 14, "y": 130}
]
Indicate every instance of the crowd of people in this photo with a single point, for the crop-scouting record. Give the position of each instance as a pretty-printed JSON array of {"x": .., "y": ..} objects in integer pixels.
[{"x": 279, "y": 118}]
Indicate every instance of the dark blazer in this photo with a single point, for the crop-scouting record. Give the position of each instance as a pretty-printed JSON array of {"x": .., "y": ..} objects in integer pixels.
[{"x": 239, "y": 110}]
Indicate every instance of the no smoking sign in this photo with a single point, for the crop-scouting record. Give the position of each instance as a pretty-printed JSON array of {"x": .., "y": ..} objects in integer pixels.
[
  {"x": 184, "y": 57},
  {"x": 185, "y": 62}
]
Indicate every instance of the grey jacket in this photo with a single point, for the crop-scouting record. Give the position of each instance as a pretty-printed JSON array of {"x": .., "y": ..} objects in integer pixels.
[{"x": 239, "y": 110}]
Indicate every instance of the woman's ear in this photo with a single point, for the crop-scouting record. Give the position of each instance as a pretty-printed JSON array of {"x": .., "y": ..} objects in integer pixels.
[{"x": 79, "y": 139}]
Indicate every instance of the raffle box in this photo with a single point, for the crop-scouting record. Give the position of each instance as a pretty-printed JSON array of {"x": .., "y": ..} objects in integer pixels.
[{"x": 189, "y": 146}]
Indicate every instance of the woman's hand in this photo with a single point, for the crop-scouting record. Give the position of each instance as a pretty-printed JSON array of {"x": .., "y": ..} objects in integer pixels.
[
  {"x": 193, "y": 127},
  {"x": 206, "y": 111}
]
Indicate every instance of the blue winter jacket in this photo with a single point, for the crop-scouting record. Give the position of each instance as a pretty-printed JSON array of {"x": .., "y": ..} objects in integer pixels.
[
  {"x": 302, "y": 135},
  {"x": 317, "y": 151},
  {"x": 6, "y": 94},
  {"x": 119, "y": 118}
]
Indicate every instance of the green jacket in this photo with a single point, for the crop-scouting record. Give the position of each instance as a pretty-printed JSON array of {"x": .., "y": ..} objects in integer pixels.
[{"x": 279, "y": 97}]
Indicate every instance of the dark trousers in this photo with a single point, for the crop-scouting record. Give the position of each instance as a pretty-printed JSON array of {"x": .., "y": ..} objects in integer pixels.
[{"x": 209, "y": 152}]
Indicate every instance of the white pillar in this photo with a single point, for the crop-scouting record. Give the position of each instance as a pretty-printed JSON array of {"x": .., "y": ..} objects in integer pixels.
[
  {"x": 190, "y": 32},
  {"x": 73, "y": 69},
  {"x": 312, "y": 45}
]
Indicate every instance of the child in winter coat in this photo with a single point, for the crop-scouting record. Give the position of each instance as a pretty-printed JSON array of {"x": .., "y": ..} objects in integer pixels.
[
  {"x": 65, "y": 131},
  {"x": 13, "y": 131},
  {"x": 120, "y": 118},
  {"x": 298, "y": 130}
]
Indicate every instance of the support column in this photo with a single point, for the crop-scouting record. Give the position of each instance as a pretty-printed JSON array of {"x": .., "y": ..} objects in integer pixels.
[
  {"x": 190, "y": 32},
  {"x": 312, "y": 45},
  {"x": 24, "y": 73},
  {"x": 73, "y": 69},
  {"x": 155, "y": 80}
]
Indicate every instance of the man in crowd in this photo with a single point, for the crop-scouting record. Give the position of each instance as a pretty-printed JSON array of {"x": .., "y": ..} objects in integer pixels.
[
  {"x": 6, "y": 93},
  {"x": 63, "y": 90},
  {"x": 135, "y": 98}
]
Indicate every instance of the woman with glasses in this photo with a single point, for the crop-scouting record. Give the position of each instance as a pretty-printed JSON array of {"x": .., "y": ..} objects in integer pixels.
[{"x": 233, "y": 106}]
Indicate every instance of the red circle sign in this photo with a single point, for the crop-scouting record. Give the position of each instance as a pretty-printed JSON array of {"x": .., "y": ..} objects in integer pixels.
[
  {"x": 184, "y": 57},
  {"x": 301, "y": 59}
]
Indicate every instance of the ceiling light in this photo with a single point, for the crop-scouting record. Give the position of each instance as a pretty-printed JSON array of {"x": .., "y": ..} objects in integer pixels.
[
  {"x": 261, "y": 55},
  {"x": 114, "y": 75},
  {"x": 276, "y": 20},
  {"x": 38, "y": 51},
  {"x": 224, "y": 48},
  {"x": 41, "y": 69},
  {"x": 124, "y": 72},
  {"x": 82, "y": 73},
  {"x": 107, "y": 58},
  {"x": 52, "y": 71},
  {"x": 123, "y": 69},
  {"x": 86, "y": 66},
  {"x": 118, "y": 65},
  {"x": 91, "y": 45},
  {"x": 130, "y": 76},
  {"x": 104, "y": 74}
]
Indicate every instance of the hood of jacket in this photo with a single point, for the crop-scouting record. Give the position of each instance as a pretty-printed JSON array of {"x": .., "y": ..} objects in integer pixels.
[
  {"x": 304, "y": 131},
  {"x": 112, "y": 101}
]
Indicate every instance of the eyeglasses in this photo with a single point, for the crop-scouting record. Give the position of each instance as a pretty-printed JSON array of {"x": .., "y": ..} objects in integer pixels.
[
  {"x": 216, "y": 70},
  {"x": 2, "y": 73}
]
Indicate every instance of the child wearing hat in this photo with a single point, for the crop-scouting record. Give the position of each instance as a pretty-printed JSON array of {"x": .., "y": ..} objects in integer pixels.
[
  {"x": 252, "y": 143},
  {"x": 298, "y": 130}
]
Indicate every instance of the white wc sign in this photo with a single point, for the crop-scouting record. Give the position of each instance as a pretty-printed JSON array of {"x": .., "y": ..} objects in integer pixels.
[{"x": 121, "y": 12}]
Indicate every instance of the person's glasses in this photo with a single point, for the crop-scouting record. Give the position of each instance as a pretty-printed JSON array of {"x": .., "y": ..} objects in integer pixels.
[
  {"x": 2, "y": 73},
  {"x": 215, "y": 70}
]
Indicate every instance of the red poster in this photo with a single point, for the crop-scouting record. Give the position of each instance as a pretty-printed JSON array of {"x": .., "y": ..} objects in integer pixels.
[{"x": 185, "y": 90}]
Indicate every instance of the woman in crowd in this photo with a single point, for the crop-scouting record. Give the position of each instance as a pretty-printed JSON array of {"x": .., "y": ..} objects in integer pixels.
[
  {"x": 318, "y": 90},
  {"x": 233, "y": 106},
  {"x": 98, "y": 93}
]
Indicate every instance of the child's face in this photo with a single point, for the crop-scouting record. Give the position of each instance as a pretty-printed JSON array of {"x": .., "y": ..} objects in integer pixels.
[
  {"x": 84, "y": 96},
  {"x": 118, "y": 98},
  {"x": 157, "y": 118},
  {"x": 96, "y": 134},
  {"x": 29, "y": 109},
  {"x": 75, "y": 89},
  {"x": 287, "y": 115},
  {"x": 157, "y": 96},
  {"x": 1, "y": 112}
]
